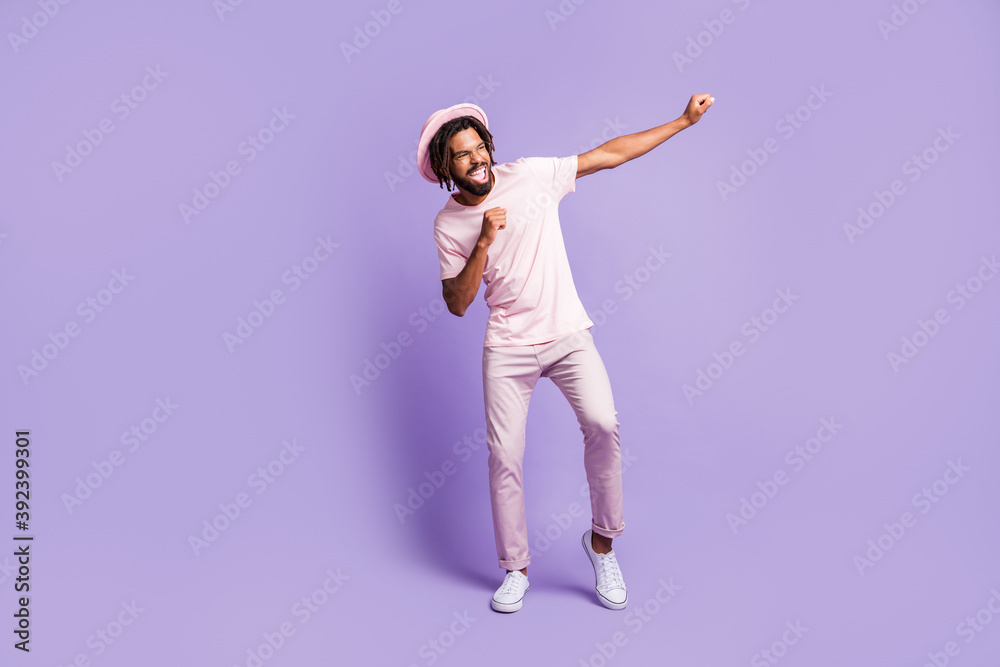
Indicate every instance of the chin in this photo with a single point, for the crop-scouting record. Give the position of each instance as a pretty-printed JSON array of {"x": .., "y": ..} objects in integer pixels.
[{"x": 476, "y": 189}]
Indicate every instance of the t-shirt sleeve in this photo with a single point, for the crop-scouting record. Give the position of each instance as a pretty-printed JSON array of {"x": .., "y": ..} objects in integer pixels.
[
  {"x": 451, "y": 257},
  {"x": 558, "y": 174}
]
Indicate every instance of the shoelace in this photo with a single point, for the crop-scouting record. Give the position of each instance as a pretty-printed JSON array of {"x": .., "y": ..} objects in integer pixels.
[
  {"x": 509, "y": 584},
  {"x": 610, "y": 575}
]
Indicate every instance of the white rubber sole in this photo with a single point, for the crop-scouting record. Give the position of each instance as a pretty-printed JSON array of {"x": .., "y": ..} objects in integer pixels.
[
  {"x": 508, "y": 607},
  {"x": 590, "y": 555}
]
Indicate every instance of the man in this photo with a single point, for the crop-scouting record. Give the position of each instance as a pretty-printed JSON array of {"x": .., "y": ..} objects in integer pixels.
[{"x": 537, "y": 325}]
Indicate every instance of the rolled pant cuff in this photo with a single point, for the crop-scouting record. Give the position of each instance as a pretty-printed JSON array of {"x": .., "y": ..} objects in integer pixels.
[
  {"x": 519, "y": 564},
  {"x": 607, "y": 532}
]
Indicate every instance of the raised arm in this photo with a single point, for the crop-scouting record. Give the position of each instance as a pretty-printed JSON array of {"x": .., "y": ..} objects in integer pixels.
[
  {"x": 627, "y": 147},
  {"x": 460, "y": 291}
]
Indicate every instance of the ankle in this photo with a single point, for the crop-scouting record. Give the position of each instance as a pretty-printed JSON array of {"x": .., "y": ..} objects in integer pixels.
[{"x": 600, "y": 544}]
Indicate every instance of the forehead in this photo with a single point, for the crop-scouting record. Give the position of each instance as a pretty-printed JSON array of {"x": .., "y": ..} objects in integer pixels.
[{"x": 466, "y": 140}]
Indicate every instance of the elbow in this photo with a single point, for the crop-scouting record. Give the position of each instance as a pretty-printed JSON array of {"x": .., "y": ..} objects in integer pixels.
[
  {"x": 612, "y": 159},
  {"x": 453, "y": 308},
  {"x": 454, "y": 299}
]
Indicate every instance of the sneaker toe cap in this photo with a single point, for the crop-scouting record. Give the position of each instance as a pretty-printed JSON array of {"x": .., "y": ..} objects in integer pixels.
[{"x": 615, "y": 595}]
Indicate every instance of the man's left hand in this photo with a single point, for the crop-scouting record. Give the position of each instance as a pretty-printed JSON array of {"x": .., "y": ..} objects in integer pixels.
[{"x": 697, "y": 107}]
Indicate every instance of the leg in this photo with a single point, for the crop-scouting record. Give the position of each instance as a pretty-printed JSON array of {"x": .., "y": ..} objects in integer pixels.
[
  {"x": 600, "y": 544},
  {"x": 576, "y": 367},
  {"x": 509, "y": 377}
]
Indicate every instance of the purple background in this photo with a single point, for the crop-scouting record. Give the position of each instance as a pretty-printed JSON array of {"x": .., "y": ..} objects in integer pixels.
[{"x": 559, "y": 79}]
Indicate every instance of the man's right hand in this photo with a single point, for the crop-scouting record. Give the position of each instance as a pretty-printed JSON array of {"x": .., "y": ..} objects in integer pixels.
[
  {"x": 460, "y": 290},
  {"x": 493, "y": 220}
]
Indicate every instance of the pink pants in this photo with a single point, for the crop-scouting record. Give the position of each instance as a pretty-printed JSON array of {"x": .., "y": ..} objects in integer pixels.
[{"x": 509, "y": 377}]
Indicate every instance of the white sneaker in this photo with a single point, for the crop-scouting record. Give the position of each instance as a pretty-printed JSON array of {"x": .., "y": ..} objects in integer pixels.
[
  {"x": 610, "y": 585},
  {"x": 511, "y": 592}
]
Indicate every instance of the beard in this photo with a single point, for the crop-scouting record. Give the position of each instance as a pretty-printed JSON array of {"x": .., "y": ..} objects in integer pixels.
[{"x": 473, "y": 187}]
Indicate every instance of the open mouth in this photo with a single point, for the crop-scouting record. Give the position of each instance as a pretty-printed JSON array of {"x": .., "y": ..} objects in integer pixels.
[{"x": 479, "y": 175}]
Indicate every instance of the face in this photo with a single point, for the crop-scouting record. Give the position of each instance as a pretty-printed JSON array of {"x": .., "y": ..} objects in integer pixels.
[{"x": 469, "y": 160}]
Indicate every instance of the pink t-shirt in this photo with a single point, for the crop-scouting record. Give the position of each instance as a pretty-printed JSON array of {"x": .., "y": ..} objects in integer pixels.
[{"x": 529, "y": 286}]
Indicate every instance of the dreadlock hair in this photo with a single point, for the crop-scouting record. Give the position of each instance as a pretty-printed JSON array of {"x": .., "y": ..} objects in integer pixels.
[{"x": 440, "y": 150}]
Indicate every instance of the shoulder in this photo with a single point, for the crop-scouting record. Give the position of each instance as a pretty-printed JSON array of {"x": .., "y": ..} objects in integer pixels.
[
  {"x": 449, "y": 221},
  {"x": 548, "y": 165},
  {"x": 441, "y": 220},
  {"x": 558, "y": 172}
]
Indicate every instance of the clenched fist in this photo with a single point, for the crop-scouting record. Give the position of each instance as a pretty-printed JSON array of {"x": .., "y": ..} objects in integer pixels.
[
  {"x": 494, "y": 220},
  {"x": 697, "y": 107}
]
